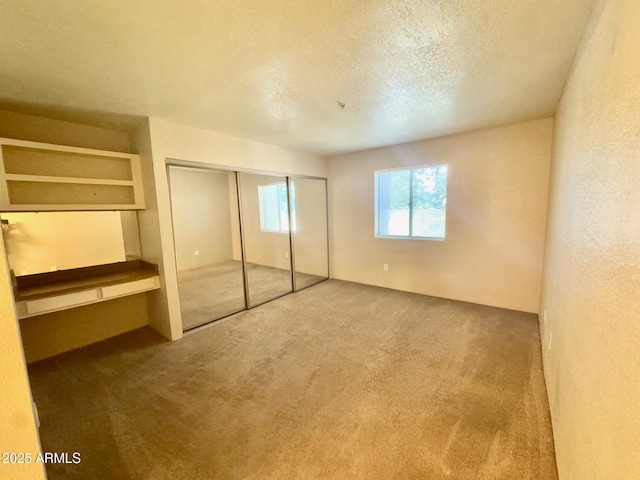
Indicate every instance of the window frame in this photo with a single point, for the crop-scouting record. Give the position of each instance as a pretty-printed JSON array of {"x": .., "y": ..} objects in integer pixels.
[{"x": 376, "y": 202}]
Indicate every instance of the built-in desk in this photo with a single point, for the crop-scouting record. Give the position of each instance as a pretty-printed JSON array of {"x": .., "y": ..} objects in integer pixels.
[{"x": 54, "y": 291}]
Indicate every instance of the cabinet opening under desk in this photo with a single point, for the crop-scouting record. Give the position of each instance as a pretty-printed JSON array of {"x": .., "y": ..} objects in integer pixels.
[{"x": 54, "y": 291}]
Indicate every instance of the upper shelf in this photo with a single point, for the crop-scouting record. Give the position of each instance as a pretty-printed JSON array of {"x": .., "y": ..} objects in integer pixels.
[{"x": 43, "y": 177}]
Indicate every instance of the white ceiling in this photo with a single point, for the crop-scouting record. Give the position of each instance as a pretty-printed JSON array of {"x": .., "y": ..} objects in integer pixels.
[{"x": 275, "y": 70}]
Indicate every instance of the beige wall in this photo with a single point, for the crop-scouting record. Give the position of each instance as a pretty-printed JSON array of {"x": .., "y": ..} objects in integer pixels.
[
  {"x": 179, "y": 142},
  {"x": 591, "y": 296},
  {"x": 37, "y": 242},
  {"x": 496, "y": 215},
  {"x": 150, "y": 242},
  {"x": 200, "y": 204},
  {"x": 17, "y": 422},
  {"x": 47, "y": 130}
]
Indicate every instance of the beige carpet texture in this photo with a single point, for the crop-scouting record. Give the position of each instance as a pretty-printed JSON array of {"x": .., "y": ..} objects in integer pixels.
[
  {"x": 338, "y": 381},
  {"x": 215, "y": 291}
]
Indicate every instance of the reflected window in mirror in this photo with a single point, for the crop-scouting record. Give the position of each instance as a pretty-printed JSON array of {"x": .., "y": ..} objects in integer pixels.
[
  {"x": 274, "y": 210},
  {"x": 49, "y": 241}
]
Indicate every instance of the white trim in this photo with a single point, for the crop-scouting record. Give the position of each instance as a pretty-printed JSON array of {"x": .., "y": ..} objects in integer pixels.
[
  {"x": 19, "y": 177},
  {"x": 64, "y": 148}
]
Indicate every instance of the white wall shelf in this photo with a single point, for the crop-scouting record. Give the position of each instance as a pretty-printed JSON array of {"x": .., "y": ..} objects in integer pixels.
[{"x": 44, "y": 177}]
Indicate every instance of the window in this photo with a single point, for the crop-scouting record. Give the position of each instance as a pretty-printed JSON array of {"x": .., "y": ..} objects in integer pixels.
[
  {"x": 411, "y": 203},
  {"x": 274, "y": 211}
]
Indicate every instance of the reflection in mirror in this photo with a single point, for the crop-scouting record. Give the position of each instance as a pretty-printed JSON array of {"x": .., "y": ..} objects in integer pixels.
[
  {"x": 206, "y": 232},
  {"x": 310, "y": 233},
  {"x": 265, "y": 216},
  {"x": 48, "y": 241}
]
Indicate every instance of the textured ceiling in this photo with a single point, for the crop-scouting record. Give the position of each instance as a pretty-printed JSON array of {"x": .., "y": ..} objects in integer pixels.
[{"x": 275, "y": 70}]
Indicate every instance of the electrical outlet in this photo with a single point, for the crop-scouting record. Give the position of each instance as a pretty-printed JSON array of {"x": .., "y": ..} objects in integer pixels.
[
  {"x": 196, "y": 253},
  {"x": 385, "y": 267},
  {"x": 24, "y": 272},
  {"x": 286, "y": 254},
  {"x": 53, "y": 268}
]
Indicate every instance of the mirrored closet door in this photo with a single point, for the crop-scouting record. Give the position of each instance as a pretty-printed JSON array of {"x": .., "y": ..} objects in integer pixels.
[
  {"x": 309, "y": 232},
  {"x": 206, "y": 230},
  {"x": 243, "y": 239},
  {"x": 264, "y": 202}
]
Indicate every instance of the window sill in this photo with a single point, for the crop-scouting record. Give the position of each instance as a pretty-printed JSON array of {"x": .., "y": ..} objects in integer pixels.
[{"x": 394, "y": 237}]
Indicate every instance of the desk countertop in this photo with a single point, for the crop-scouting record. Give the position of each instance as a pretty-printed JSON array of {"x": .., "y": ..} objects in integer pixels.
[{"x": 30, "y": 287}]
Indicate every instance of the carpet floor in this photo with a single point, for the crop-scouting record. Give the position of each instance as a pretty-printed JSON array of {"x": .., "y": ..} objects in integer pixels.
[
  {"x": 214, "y": 291},
  {"x": 338, "y": 381}
]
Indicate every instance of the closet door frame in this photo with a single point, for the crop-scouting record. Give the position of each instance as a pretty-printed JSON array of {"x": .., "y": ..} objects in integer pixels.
[
  {"x": 292, "y": 250},
  {"x": 171, "y": 162}
]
